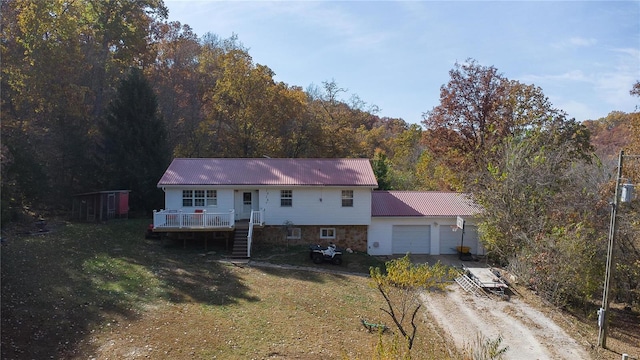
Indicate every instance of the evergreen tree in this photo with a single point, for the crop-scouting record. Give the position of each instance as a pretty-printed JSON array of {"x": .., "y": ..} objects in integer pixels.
[
  {"x": 380, "y": 165},
  {"x": 135, "y": 142}
]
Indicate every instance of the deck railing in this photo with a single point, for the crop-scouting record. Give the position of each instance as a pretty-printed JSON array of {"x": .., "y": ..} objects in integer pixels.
[
  {"x": 172, "y": 219},
  {"x": 256, "y": 218}
]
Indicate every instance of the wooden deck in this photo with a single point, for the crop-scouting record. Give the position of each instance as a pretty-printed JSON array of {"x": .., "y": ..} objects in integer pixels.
[{"x": 199, "y": 220}]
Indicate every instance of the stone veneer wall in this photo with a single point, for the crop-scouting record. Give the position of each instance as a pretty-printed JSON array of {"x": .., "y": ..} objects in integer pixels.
[{"x": 351, "y": 236}]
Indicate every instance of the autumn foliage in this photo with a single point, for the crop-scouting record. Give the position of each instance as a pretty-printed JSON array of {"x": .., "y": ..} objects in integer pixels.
[{"x": 543, "y": 179}]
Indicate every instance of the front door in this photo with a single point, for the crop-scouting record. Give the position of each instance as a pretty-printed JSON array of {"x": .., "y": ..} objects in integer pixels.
[
  {"x": 244, "y": 201},
  {"x": 246, "y": 205}
]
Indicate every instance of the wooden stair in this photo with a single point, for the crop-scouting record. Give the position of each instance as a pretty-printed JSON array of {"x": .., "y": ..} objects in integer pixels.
[{"x": 240, "y": 243}]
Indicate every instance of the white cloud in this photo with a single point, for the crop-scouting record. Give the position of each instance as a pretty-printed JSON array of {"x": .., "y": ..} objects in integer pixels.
[
  {"x": 576, "y": 109},
  {"x": 337, "y": 19},
  {"x": 614, "y": 84},
  {"x": 571, "y": 75},
  {"x": 574, "y": 42},
  {"x": 603, "y": 86},
  {"x": 633, "y": 53},
  {"x": 578, "y": 41}
]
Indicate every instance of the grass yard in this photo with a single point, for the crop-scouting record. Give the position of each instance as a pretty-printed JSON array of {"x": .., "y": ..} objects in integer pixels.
[{"x": 87, "y": 291}]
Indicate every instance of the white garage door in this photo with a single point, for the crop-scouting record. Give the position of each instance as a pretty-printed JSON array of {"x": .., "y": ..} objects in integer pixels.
[
  {"x": 471, "y": 239},
  {"x": 415, "y": 239},
  {"x": 449, "y": 239}
]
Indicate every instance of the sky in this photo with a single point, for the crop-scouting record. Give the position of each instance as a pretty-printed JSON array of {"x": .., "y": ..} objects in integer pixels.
[{"x": 585, "y": 55}]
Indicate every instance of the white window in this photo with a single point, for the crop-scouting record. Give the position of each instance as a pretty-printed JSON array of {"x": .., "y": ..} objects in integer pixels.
[
  {"x": 187, "y": 197},
  {"x": 294, "y": 233},
  {"x": 327, "y": 233},
  {"x": 212, "y": 197},
  {"x": 199, "y": 198},
  {"x": 286, "y": 198},
  {"x": 347, "y": 198}
]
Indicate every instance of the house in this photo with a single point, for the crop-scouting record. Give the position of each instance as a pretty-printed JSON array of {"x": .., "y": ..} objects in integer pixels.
[
  {"x": 318, "y": 200},
  {"x": 422, "y": 222},
  {"x": 308, "y": 201}
]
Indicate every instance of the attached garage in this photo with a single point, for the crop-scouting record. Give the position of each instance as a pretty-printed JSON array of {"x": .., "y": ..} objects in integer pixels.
[
  {"x": 449, "y": 239},
  {"x": 415, "y": 239},
  {"x": 420, "y": 222},
  {"x": 472, "y": 240}
]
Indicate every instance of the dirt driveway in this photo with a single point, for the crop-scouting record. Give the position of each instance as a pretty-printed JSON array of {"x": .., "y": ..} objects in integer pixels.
[{"x": 527, "y": 332}]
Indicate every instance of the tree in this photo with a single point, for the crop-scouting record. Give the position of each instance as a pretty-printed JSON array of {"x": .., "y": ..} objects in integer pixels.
[
  {"x": 179, "y": 85},
  {"x": 401, "y": 285},
  {"x": 635, "y": 90},
  {"x": 627, "y": 272},
  {"x": 44, "y": 116},
  {"x": 293, "y": 133},
  {"x": 542, "y": 216},
  {"x": 531, "y": 170},
  {"x": 399, "y": 143},
  {"x": 432, "y": 174},
  {"x": 239, "y": 106},
  {"x": 135, "y": 142},
  {"x": 479, "y": 111},
  {"x": 610, "y": 134},
  {"x": 339, "y": 120},
  {"x": 380, "y": 166},
  {"x": 469, "y": 120},
  {"x": 116, "y": 37},
  {"x": 59, "y": 62}
]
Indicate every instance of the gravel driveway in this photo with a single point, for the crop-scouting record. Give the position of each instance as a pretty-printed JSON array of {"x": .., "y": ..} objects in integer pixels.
[{"x": 527, "y": 332}]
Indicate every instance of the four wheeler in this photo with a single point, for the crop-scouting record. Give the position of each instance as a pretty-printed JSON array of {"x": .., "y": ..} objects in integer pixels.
[{"x": 320, "y": 254}]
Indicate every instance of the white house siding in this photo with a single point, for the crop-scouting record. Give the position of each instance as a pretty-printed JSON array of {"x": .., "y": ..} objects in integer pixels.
[
  {"x": 173, "y": 199},
  {"x": 380, "y": 234},
  {"x": 311, "y": 206},
  {"x": 317, "y": 206}
]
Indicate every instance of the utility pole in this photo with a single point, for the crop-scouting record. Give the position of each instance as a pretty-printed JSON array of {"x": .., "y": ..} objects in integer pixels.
[
  {"x": 603, "y": 313},
  {"x": 627, "y": 196}
]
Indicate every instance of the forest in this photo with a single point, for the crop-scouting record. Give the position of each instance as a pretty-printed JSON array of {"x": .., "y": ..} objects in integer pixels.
[{"x": 103, "y": 94}]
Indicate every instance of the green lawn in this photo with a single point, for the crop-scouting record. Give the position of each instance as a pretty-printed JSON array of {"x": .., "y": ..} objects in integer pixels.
[{"x": 104, "y": 291}]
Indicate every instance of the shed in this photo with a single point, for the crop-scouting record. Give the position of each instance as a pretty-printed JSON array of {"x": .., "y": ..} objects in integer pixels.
[{"x": 100, "y": 205}]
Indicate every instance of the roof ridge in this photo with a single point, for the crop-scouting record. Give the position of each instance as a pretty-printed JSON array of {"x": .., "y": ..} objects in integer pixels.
[
  {"x": 421, "y": 192},
  {"x": 266, "y": 159}
]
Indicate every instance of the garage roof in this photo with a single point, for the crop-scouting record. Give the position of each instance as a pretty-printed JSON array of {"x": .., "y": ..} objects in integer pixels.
[
  {"x": 267, "y": 171},
  {"x": 422, "y": 203}
]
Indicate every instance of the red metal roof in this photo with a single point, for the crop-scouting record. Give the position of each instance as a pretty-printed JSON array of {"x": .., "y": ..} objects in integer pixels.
[
  {"x": 421, "y": 203},
  {"x": 286, "y": 172}
]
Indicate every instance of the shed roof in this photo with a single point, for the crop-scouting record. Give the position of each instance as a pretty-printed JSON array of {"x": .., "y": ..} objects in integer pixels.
[
  {"x": 264, "y": 171},
  {"x": 422, "y": 203},
  {"x": 102, "y": 192}
]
